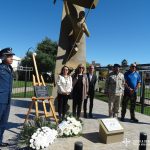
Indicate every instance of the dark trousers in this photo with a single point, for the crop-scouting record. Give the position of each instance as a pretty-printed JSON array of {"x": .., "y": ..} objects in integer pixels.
[
  {"x": 91, "y": 97},
  {"x": 77, "y": 105},
  {"x": 132, "y": 99},
  {"x": 4, "y": 114},
  {"x": 62, "y": 104}
]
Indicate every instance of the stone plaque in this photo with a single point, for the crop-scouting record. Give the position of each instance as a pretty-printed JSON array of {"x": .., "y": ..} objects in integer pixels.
[
  {"x": 110, "y": 131},
  {"x": 112, "y": 124}
]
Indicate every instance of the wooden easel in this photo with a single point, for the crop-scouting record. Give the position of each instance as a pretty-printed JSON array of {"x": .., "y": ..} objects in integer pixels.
[{"x": 35, "y": 100}]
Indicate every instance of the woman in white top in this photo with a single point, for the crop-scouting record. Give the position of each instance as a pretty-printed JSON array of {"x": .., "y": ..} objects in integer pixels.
[{"x": 64, "y": 84}]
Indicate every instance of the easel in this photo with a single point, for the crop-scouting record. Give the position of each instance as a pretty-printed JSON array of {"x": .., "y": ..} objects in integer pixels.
[{"x": 36, "y": 99}]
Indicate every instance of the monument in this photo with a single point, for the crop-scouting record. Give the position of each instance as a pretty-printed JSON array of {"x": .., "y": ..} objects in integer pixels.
[
  {"x": 71, "y": 46},
  {"x": 110, "y": 131}
]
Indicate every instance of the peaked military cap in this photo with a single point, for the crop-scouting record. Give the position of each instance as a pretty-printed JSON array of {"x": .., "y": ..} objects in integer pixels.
[{"x": 6, "y": 51}]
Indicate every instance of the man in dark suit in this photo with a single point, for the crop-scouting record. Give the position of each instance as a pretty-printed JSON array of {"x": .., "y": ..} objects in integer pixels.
[
  {"x": 6, "y": 78},
  {"x": 92, "y": 81}
]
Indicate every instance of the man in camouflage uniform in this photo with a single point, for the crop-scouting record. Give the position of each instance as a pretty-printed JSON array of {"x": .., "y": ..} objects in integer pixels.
[{"x": 114, "y": 89}]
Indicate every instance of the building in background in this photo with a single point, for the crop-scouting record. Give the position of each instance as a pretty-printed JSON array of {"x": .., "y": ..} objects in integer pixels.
[
  {"x": 15, "y": 65},
  {"x": 16, "y": 62}
]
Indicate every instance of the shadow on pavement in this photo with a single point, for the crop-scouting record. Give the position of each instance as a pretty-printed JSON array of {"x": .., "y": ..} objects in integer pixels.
[
  {"x": 26, "y": 104},
  {"x": 21, "y": 103},
  {"x": 22, "y": 116},
  {"x": 129, "y": 121},
  {"x": 93, "y": 137},
  {"x": 99, "y": 116},
  {"x": 24, "y": 148},
  {"x": 13, "y": 125},
  {"x": 16, "y": 148}
]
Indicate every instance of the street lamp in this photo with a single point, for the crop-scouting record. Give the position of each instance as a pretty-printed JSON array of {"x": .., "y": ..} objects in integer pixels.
[{"x": 25, "y": 86}]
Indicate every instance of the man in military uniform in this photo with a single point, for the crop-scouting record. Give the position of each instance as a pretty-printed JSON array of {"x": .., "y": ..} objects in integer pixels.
[
  {"x": 114, "y": 88},
  {"x": 133, "y": 80},
  {"x": 6, "y": 78}
]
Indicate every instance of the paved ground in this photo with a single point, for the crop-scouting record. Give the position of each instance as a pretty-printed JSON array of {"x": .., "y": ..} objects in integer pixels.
[{"x": 90, "y": 137}]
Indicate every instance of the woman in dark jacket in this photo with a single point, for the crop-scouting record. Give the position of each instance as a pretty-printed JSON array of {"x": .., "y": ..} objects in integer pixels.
[{"x": 80, "y": 89}]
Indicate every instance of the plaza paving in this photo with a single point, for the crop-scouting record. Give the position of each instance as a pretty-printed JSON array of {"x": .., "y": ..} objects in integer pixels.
[{"x": 90, "y": 137}]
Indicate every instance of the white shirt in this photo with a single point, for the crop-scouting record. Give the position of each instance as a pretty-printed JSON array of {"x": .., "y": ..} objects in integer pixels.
[
  {"x": 90, "y": 75},
  {"x": 64, "y": 84}
]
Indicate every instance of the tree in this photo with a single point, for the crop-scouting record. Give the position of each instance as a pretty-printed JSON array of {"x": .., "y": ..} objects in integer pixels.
[
  {"x": 109, "y": 66},
  {"x": 87, "y": 64},
  {"x": 124, "y": 63},
  {"x": 46, "y": 56}
]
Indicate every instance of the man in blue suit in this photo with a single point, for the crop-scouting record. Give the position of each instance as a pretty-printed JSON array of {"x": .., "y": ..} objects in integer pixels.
[{"x": 6, "y": 78}]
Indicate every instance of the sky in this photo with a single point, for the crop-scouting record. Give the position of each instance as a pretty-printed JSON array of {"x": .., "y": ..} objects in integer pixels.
[{"x": 120, "y": 29}]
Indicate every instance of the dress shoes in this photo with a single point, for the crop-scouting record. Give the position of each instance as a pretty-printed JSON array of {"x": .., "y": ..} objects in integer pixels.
[{"x": 134, "y": 120}]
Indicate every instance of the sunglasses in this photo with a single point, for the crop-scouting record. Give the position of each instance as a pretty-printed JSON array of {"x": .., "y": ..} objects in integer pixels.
[
  {"x": 133, "y": 66},
  {"x": 81, "y": 67}
]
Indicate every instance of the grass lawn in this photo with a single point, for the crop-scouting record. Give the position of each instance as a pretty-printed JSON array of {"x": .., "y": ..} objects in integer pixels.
[
  {"x": 30, "y": 94},
  {"x": 18, "y": 84},
  {"x": 103, "y": 97},
  {"x": 147, "y": 93}
]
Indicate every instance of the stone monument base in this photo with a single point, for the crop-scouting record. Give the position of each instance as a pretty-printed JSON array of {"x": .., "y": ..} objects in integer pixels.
[{"x": 110, "y": 134}]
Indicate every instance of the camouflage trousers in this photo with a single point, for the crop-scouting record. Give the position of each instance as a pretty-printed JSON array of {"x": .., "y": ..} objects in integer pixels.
[
  {"x": 132, "y": 99},
  {"x": 114, "y": 104}
]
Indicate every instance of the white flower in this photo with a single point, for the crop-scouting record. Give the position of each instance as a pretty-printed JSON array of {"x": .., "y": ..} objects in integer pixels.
[
  {"x": 42, "y": 138},
  {"x": 31, "y": 140},
  {"x": 69, "y": 127}
]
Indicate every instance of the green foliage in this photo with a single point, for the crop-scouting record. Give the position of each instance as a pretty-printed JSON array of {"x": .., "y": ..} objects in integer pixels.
[
  {"x": 87, "y": 64},
  {"x": 46, "y": 56},
  {"x": 25, "y": 135},
  {"x": 124, "y": 62},
  {"x": 30, "y": 127}
]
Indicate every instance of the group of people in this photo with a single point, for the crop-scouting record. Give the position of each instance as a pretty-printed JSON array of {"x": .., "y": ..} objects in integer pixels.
[
  {"x": 121, "y": 88},
  {"x": 79, "y": 87}
]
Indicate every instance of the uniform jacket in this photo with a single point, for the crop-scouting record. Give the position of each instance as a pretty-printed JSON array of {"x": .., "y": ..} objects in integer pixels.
[
  {"x": 115, "y": 83},
  {"x": 6, "y": 79},
  {"x": 92, "y": 83}
]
